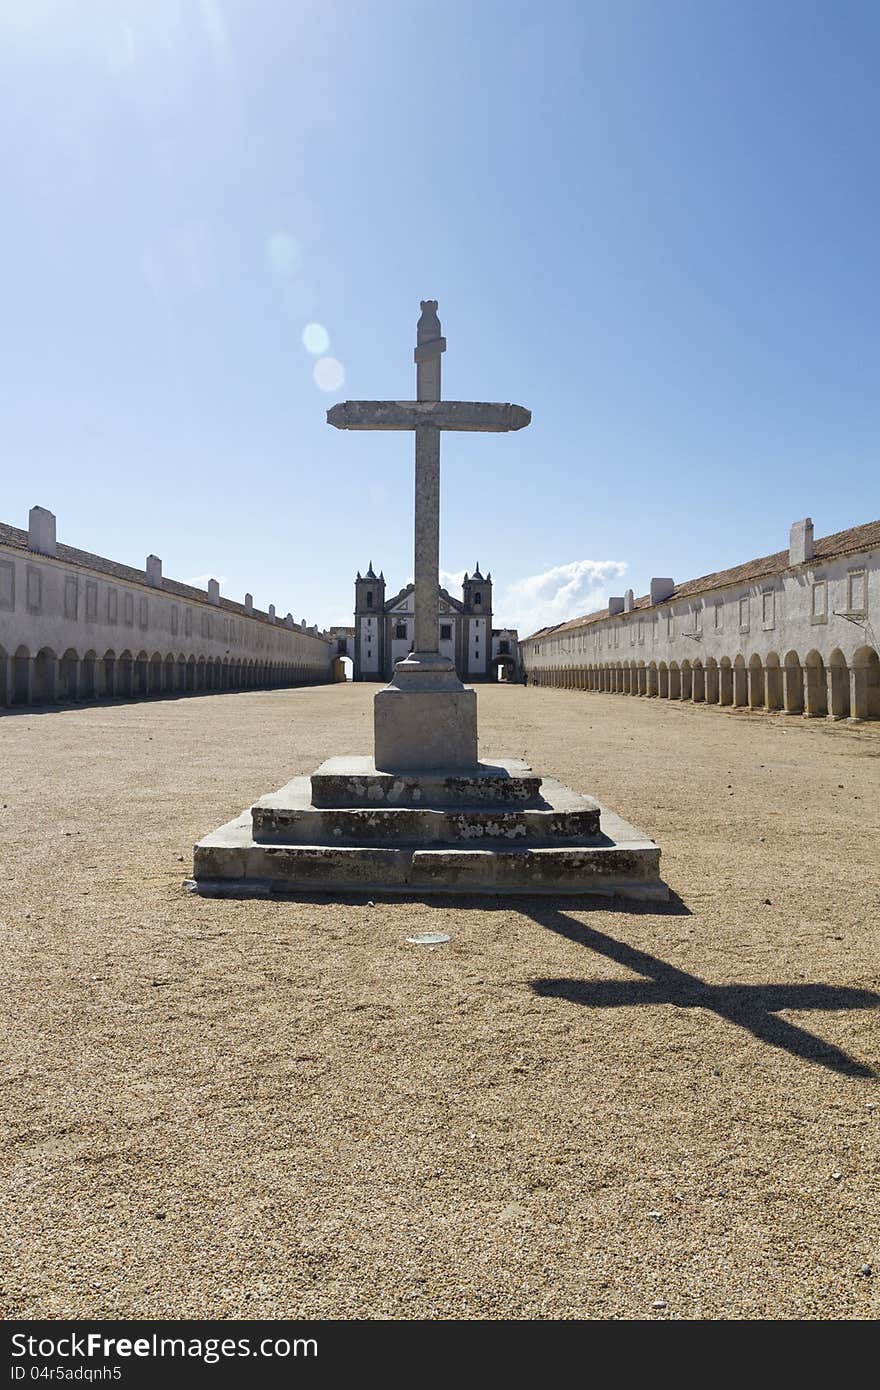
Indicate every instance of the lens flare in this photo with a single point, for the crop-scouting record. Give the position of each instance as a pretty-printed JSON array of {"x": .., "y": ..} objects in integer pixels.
[
  {"x": 316, "y": 339},
  {"x": 283, "y": 254},
  {"x": 328, "y": 374}
]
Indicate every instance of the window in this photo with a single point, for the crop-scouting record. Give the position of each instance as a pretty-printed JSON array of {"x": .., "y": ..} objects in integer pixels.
[
  {"x": 503, "y": 647},
  {"x": 857, "y": 592},
  {"x": 819, "y": 612},
  {"x": 446, "y": 632},
  {"x": 206, "y": 625},
  {"x": 128, "y": 610},
  {"x": 698, "y": 619},
  {"x": 143, "y": 611},
  {"x": 188, "y": 623},
  {"x": 71, "y": 595},
  {"x": 670, "y": 623},
  {"x": 768, "y": 609},
  {"x": 719, "y": 617},
  {"x": 112, "y": 606},
  {"x": 91, "y": 599},
  {"x": 369, "y": 598},
  {"x": 341, "y": 646},
  {"x": 400, "y": 630},
  {"x": 7, "y": 584},
  {"x": 478, "y": 599},
  {"x": 175, "y": 618},
  {"x": 744, "y": 613},
  {"x": 641, "y": 629}
]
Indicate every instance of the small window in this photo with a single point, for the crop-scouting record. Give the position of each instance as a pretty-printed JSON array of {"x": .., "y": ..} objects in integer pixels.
[
  {"x": 369, "y": 598},
  {"x": 698, "y": 618},
  {"x": 341, "y": 646},
  {"x": 71, "y": 595},
  {"x": 478, "y": 599},
  {"x": 719, "y": 617},
  {"x": 641, "y": 629},
  {"x": 670, "y": 623},
  {"x": 112, "y": 606},
  {"x": 857, "y": 592},
  {"x": 188, "y": 623},
  {"x": 128, "y": 610},
  {"x": 768, "y": 609},
  {"x": 206, "y": 625},
  {"x": 144, "y": 613},
  {"x": 400, "y": 631},
  {"x": 445, "y": 632},
  {"x": 744, "y": 614},
  {"x": 91, "y": 599},
  {"x": 175, "y": 618},
  {"x": 7, "y": 584},
  {"x": 503, "y": 648}
]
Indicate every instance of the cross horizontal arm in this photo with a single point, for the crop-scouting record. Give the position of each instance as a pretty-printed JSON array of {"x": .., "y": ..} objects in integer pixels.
[{"x": 489, "y": 417}]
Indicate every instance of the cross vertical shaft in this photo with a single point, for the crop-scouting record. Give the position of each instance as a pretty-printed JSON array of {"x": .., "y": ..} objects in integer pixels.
[{"x": 430, "y": 343}]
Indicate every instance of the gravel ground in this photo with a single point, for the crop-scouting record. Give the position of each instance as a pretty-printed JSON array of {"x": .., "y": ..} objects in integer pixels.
[{"x": 282, "y": 1109}]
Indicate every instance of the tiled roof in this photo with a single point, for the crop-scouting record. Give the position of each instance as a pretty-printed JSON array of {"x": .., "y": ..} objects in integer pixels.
[
  {"x": 14, "y": 536},
  {"x": 855, "y": 540}
]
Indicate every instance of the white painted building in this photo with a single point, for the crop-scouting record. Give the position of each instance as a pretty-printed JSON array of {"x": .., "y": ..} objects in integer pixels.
[
  {"x": 793, "y": 631},
  {"x": 74, "y": 625}
]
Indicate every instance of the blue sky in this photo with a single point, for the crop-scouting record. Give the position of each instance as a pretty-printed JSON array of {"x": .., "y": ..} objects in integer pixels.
[{"x": 654, "y": 224}]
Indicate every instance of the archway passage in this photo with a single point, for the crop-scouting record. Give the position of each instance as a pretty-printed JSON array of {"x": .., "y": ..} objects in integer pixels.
[
  {"x": 865, "y": 684},
  {"x": 343, "y": 668},
  {"x": 505, "y": 668}
]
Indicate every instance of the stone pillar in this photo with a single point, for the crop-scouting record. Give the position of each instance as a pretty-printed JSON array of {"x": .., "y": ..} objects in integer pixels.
[
  {"x": 814, "y": 691},
  {"x": 698, "y": 684},
  {"x": 793, "y": 689},
  {"x": 711, "y": 685},
  {"x": 756, "y": 687},
  {"x": 858, "y": 694},
  {"x": 427, "y": 526},
  {"x": 652, "y": 684},
  {"x": 725, "y": 685}
]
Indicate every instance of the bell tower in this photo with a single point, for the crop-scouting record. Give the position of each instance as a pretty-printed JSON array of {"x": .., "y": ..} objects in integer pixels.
[{"x": 369, "y": 625}]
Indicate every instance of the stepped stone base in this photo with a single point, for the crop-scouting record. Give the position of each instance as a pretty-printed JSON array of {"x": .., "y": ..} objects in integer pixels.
[{"x": 497, "y": 829}]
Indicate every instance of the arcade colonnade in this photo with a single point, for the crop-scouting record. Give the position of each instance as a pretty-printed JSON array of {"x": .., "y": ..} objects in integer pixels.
[
  {"x": 77, "y": 626},
  {"x": 809, "y": 686},
  {"x": 792, "y": 632}
]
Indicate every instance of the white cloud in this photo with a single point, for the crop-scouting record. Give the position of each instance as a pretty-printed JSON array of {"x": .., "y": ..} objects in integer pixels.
[
  {"x": 451, "y": 581},
  {"x": 200, "y": 581},
  {"x": 563, "y": 592}
]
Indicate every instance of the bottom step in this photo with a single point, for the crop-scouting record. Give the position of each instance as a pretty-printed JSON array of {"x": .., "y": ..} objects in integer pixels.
[{"x": 620, "y": 861}]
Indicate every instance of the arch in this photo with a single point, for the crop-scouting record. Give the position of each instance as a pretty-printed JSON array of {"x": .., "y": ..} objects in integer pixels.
[
  {"x": 88, "y": 676},
  {"x": 773, "y": 694},
  {"x": 792, "y": 684},
  {"x": 22, "y": 677},
  {"x": 687, "y": 681},
  {"x": 815, "y": 686},
  {"x": 711, "y": 681},
  {"x": 756, "y": 682},
  {"x": 68, "y": 675},
  {"x": 740, "y": 682},
  {"x": 106, "y": 677},
  {"x": 838, "y": 686},
  {"x": 864, "y": 674},
  {"x": 45, "y": 677},
  {"x": 154, "y": 674},
  {"x": 674, "y": 681},
  {"x": 125, "y": 674},
  {"x": 698, "y": 682},
  {"x": 142, "y": 674},
  {"x": 191, "y": 674}
]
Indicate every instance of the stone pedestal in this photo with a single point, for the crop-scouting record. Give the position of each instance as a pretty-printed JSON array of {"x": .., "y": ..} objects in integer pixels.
[{"x": 425, "y": 718}]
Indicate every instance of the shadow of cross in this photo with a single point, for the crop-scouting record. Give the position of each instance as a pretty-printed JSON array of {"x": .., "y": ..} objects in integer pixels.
[{"x": 753, "y": 1007}]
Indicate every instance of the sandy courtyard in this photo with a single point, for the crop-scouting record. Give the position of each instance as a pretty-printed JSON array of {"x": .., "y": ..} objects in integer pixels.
[{"x": 282, "y": 1109}]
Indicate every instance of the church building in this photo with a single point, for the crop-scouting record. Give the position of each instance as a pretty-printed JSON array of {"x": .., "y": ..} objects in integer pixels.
[{"x": 384, "y": 627}]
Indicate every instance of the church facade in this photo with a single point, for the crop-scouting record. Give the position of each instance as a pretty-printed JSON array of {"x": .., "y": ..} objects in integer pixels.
[{"x": 384, "y": 627}]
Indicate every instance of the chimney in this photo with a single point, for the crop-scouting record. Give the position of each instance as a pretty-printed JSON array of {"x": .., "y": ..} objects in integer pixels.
[
  {"x": 271, "y": 612},
  {"x": 662, "y": 589},
  {"x": 154, "y": 571},
  {"x": 248, "y": 603},
  {"x": 615, "y": 605},
  {"x": 628, "y": 600},
  {"x": 800, "y": 542},
  {"x": 213, "y": 591},
  {"x": 41, "y": 530}
]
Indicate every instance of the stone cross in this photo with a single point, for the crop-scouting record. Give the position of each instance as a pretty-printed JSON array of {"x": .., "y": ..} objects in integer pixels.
[{"x": 427, "y": 416}]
